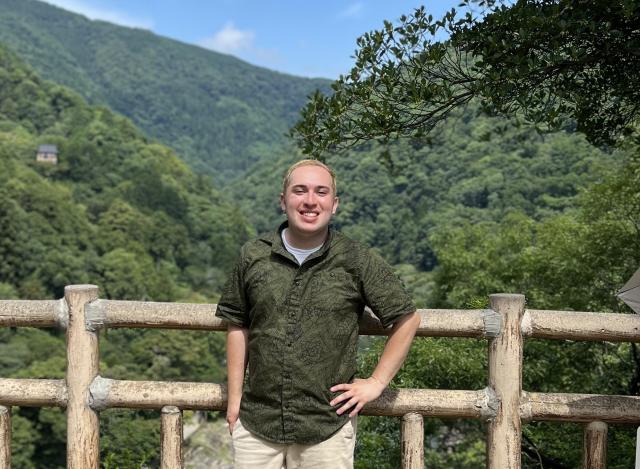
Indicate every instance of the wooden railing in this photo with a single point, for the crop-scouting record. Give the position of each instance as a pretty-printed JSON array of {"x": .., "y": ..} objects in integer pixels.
[{"x": 502, "y": 403}]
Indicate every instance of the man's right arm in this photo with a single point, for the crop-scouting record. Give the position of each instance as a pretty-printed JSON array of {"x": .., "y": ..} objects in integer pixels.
[{"x": 237, "y": 355}]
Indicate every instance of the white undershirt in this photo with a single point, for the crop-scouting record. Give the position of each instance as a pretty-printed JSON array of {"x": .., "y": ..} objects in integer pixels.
[{"x": 300, "y": 254}]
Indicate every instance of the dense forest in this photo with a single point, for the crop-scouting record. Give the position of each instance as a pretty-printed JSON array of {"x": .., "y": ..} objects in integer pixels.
[
  {"x": 219, "y": 113},
  {"x": 118, "y": 211},
  {"x": 483, "y": 205}
]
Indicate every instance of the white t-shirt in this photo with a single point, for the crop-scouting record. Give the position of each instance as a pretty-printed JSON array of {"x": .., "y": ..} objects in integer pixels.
[{"x": 300, "y": 254}]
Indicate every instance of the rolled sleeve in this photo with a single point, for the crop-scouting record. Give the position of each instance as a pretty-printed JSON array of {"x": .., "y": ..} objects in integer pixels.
[
  {"x": 383, "y": 290},
  {"x": 232, "y": 306}
]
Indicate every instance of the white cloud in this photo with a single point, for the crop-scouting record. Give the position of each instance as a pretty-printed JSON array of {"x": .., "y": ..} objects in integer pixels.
[
  {"x": 352, "y": 11},
  {"x": 241, "y": 43},
  {"x": 112, "y": 16},
  {"x": 229, "y": 39}
]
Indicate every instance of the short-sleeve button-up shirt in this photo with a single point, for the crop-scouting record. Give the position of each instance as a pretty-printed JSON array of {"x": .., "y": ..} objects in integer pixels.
[{"x": 303, "y": 329}]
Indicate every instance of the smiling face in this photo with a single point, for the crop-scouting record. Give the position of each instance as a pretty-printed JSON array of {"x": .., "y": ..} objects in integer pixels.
[{"x": 309, "y": 202}]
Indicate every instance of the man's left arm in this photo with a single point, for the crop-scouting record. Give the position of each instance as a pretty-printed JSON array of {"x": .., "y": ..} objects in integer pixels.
[{"x": 361, "y": 391}]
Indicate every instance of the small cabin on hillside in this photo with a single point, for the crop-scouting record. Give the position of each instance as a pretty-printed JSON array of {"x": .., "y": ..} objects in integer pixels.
[{"x": 47, "y": 154}]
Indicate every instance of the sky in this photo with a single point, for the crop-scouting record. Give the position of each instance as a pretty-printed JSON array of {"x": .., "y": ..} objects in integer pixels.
[{"x": 304, "y": 38}]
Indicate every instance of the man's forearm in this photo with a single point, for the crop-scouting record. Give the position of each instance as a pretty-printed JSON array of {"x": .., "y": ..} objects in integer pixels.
[
  {"x": 237, "y": 354},
  {"x": 396, "y": 348},
  {"x": 356, "y": 395}
]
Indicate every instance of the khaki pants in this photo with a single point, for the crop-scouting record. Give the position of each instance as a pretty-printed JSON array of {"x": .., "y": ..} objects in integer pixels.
[{"x": 252, "y": 452}]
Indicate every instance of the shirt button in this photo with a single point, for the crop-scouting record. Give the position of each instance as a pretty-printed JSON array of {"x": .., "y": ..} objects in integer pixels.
[{"x": 297, "y": 282}]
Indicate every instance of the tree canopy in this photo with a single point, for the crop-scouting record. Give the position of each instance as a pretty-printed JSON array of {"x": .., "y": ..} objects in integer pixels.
[
  {"x": 554, "y": 63},
  {"x": 220, "y": 114}
]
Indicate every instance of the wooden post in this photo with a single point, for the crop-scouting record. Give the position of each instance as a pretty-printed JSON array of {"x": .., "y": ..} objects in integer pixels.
[
  {"x": 505, "y": 377},
  {"x": 83, "y": 450},
  {"x": 412, "y": 441},
  {"x": 595, "y": 446},
  {"x": 5, "y": 437},
  {"x": 171, "y": 431},
  {"x": 638, "y": 449}
]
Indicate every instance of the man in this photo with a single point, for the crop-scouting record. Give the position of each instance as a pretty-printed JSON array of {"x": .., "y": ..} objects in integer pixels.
[{"x": 293, "y": 303}]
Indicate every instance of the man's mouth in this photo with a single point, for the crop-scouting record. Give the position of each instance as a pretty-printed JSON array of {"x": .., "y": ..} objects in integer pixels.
[{"x": 309, "y": 214}]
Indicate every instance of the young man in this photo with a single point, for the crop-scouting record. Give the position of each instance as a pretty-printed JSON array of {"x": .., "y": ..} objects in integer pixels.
[{"x": 293, "y": 303}]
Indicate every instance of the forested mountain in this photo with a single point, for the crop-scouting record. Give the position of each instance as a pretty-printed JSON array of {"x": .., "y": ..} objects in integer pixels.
[
  {"x": 117, "y": 211},
  {"x": 477, "y": 168},
  {"x": 483, "y": 206},
  {"x": 219, "y": 113}
]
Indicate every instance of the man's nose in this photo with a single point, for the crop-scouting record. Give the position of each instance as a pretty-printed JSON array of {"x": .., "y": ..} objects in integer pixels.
[{"x": 310, "y": 198}]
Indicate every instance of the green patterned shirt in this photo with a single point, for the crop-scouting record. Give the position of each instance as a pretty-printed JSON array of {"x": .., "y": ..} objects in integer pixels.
[{"x": 303, "y": 329}]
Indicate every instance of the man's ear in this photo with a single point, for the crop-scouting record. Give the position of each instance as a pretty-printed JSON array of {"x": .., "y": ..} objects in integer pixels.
[
  {"x": 336, "y": 202},
  {"x": 282, "y": 204}
]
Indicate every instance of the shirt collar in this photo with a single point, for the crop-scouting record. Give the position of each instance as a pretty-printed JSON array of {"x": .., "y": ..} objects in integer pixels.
[{"x": 274, "y": 238}]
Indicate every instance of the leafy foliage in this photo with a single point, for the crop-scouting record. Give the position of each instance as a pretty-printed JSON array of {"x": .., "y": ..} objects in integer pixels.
[
  {"x": 116, "y": 211},
  {"x": 545, "y": 61},
  {"x": 395, "y": 205},
  {"x": 219, "y": 113},
  {"x": 549, "y": 216},
  {"x": 574, "y": 260}
]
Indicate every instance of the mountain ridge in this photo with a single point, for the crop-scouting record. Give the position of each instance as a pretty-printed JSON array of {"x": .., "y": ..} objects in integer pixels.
[{"x": 220, "y": 114}]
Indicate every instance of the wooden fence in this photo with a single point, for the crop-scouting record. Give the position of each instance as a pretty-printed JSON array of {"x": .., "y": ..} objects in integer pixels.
[{"x": 502, "y": 403}]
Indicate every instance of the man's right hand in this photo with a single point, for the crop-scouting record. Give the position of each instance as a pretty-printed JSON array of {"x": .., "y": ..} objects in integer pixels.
[{"x": 232, "y": 418}]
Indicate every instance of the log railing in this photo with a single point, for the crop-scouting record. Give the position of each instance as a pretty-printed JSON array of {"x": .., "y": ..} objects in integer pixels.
[{"x": 503, "y": 403}]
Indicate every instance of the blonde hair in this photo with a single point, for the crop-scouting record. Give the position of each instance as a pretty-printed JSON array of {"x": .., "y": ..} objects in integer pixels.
[{"x": 287, "y": 176}]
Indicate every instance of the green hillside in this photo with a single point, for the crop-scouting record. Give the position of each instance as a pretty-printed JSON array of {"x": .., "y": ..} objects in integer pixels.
[
  {"x": 117, "y": 210},
  {"x": 219, "y": 113},
  {"x": 477, "y": 168},
  {"x": 484, "y": 206}
]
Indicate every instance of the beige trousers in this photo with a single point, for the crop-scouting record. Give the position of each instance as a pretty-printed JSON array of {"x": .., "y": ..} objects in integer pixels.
[{"x": 252, "y": 452}]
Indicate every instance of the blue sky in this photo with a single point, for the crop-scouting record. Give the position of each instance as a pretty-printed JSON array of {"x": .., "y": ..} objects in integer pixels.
[{"x": 306, "y": 38}]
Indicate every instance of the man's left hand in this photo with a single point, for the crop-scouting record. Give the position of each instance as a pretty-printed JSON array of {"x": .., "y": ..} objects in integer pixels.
[{"x": 356, "y": 394}]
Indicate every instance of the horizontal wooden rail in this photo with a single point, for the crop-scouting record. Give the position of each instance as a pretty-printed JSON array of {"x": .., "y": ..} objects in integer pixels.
[
  {"x": 443, "y": 403},
  {"x": 23, "y": 313},
  {"x": 502, "y": 403},
  {"x": 561, "y": 407},
  {"x": 141, "y": 314},
  {"x": 155, "y": 315},
  {"x": 572, "y": 325},
  {"x": 33, "y": 392},
  {"x": 435, "y": 322},
  {"x": 111, "y": 393},
  {"x": 107, "y": 393},
  {"x": 478, "y": 323}
]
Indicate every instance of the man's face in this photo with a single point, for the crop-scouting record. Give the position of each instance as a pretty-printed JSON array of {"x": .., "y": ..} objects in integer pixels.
[{"x": 309, "y": 200}]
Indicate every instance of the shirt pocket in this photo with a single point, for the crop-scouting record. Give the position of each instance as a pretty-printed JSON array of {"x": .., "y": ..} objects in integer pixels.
[{"x": 334, "y": 291}]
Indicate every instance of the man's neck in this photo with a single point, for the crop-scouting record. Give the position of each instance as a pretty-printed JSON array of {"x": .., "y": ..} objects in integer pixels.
[{"x": 304, "y": 241}]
